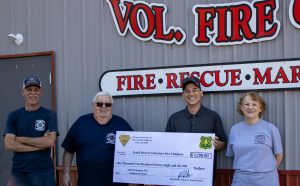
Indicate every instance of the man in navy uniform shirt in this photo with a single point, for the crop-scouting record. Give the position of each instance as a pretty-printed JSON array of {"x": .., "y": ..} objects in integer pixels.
[
  {"x": 92, "y": 138},
  {"x": 30, "y": 133}
]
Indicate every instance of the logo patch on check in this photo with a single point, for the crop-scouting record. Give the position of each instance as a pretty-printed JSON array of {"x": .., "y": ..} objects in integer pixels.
[
  {"x": 124, "y": 139},
  {"x": 205, "y": 142}
]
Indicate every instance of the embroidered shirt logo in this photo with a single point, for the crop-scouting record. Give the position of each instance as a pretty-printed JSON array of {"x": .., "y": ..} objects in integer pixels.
[
  {"x": 40, "y": 125},
  {"x": 260, "y": 139},
  {"x": 111, "y": 138}
]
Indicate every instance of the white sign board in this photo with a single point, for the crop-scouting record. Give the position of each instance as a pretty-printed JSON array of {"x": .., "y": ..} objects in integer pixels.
[
  {"x": 213, "y": 78},
  {"x": 163, "y": 158}
]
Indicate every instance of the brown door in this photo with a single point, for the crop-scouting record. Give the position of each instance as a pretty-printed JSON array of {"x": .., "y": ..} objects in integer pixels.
[{"x": 13, "y": 69}]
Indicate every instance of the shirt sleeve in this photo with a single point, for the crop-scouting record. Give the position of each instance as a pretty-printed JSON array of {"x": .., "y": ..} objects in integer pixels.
[
  {"x": 69, "y": 143},
  {"x": 127, "y": 126},
  {"x": 169, "y": 127},
  {"x": 52, "y": 122},
  {"x": 276, "y": 140},
  {"x": 10, "y": 124},
  {"x": 229, "y": 151},
  {"x": 219, "y": 129}
]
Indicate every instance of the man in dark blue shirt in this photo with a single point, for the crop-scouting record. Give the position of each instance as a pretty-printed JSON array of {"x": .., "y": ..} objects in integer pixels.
[
  {"x": 92, "y": 138},
  {"x": 30, "y": 133}
]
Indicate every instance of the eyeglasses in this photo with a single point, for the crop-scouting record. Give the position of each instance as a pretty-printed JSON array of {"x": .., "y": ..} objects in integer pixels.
[{"x": 100, "y": 104}]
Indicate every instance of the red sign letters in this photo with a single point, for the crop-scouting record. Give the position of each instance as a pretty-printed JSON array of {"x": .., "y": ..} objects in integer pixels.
[{"x": 220, "y": 24}]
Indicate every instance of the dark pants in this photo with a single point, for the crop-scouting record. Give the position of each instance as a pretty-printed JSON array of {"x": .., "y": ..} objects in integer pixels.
[{"x": 31, "y": 179}]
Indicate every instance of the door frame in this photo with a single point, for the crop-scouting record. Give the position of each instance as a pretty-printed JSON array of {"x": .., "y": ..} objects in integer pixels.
[{"x": 53, "y": 87}]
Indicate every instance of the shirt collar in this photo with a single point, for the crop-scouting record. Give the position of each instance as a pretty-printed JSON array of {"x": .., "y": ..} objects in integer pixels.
[{"x": 198, "y": 114}]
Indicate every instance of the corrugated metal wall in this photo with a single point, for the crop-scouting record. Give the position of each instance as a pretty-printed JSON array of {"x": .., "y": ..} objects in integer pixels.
[{"x": 86, "y": 44}]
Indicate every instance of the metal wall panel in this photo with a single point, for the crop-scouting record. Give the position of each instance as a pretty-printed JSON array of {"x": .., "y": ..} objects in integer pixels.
[{"x": 86, "y": 44}]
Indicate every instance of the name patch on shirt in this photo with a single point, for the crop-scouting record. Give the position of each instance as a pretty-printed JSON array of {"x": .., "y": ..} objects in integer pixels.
[{"x": 40, "y": 125}]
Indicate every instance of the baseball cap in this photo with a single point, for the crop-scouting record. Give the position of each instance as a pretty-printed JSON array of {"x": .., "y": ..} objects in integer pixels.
[
  {"x": 31, "y": 80},
  {"x": 188, "y": 80}
]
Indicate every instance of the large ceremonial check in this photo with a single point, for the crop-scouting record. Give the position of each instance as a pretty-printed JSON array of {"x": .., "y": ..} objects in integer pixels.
[{"x": 164, "y": 158}]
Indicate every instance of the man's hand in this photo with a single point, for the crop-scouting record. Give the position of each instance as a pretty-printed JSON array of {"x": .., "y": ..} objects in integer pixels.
[
  {"x": 66, "y": 179},
  {"x": 67, "y": 160},
  {"x": 218, "y": 143},
  {"x": 47, "y": 133}
]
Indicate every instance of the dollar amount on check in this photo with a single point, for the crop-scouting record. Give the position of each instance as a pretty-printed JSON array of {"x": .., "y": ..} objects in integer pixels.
[{"x": 164, "y": 158}]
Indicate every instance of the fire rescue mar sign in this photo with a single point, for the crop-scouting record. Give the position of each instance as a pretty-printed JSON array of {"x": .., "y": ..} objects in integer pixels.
[{"x": 258, "y": 75}]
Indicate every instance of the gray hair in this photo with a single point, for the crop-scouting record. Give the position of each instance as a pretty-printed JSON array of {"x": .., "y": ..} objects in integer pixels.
[{"x": 102, "y": 93}]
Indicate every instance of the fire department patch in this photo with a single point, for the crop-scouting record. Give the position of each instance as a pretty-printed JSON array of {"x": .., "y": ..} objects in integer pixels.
[
  {"x": 205, "y": 142},
  {"x": 39, "y": 125},
  {"x": 124, "y": 139},
  {"x": 260, "y": 139},
  {"x": 110, "y": 138}
]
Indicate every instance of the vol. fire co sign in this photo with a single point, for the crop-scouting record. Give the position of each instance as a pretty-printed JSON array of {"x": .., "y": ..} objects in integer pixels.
[{"x": 220, "y": 23}]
